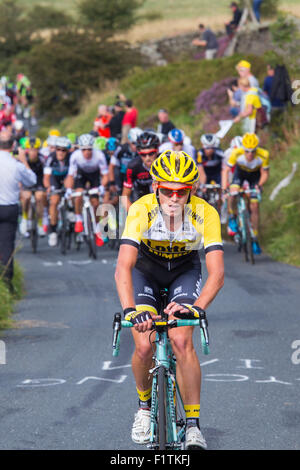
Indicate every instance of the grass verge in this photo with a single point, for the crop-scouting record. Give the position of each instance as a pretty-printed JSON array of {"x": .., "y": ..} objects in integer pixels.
[{"x": 8, "y": 300}]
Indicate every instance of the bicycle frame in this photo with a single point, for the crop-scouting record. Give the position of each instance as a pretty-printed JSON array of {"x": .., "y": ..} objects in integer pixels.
[{"x": 164, "y": 362}]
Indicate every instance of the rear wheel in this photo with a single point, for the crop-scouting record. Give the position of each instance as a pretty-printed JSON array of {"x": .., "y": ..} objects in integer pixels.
[
  {"x": 34, "y": 229},
  {"x": 90, "y": 236}
]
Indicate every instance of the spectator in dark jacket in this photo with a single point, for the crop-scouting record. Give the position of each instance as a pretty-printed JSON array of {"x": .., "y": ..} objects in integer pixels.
[
  {"x": 115, "y": 124},
  {"x": 232, "y": 26},
  {"x": 165, "y": 125}
]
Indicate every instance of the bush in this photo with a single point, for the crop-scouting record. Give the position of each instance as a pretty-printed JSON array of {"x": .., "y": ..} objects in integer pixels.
[
  {"x": 71, "y": 63},
  {"x": 110, "y": 16}
]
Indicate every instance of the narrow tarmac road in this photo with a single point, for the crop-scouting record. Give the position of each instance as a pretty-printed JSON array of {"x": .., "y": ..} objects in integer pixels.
[{"x": 62, "y": 389}]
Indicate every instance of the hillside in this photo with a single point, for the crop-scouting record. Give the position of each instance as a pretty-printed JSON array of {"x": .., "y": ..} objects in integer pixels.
[
  {"x": 169, "y": 17},
  {"x": 176, "y": 87}
]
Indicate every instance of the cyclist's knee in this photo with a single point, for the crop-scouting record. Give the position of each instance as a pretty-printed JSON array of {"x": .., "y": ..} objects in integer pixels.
[
  {"x": 182, "y": 345},
  {"x": 144, "y": 351}
]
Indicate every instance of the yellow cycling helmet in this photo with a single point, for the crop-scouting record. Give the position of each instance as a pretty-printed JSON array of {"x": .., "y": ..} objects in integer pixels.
[
  {"x": 54, "y": 132},
  {"x": 176, "y": 167},
  {"x": 33, "y": 143},
  {"x": 250, "y": 141}
]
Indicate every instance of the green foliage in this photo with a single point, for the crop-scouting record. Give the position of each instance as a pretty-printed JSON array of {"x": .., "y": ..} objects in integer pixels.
[
  {"x": 45, "y": 16},
  {"x": 13, "y": 29},
  {"x": 108, "y": 15},
  {"x": 7, "y": 299},
  {"x": 71, "y": 63},
  {"x": 283, "y": 30}
]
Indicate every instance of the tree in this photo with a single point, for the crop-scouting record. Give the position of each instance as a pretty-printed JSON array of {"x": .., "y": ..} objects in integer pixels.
[
  {"x": 72, "y": 63},
  {"x": 45, "y": 16},
  {"x": 13, "y": 29},
  {"x": 109, "y": 16}
]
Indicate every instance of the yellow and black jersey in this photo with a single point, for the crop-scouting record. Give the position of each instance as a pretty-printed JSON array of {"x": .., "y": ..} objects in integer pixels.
[
  {"x": 238, "y": 158},
  {"x": 146, "y": 229}
]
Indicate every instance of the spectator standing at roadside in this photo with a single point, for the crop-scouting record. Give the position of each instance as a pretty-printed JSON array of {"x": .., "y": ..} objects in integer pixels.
[
  {"x": 101, "y": 123},
  {"x": 277, "y": 104},
  {"x": 235, "y": 98},
  {"x": 13, "y": 172},
  {"x": 244, "y": 70},
  {"x": 165, "y": 124},
  {"x": 208, "y": 41},
  {"x": 232, "y": 26},
  {"x": 129, "y": 120},
  {"x": 256, "y": 8},
  {"x": 250, "y": 104},
  {"x": 115, "y": 124}
]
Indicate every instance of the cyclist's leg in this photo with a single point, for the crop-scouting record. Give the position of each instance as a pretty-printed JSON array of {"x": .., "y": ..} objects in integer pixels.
[
  {"x": 146, "y": 297},
  {"x": 25, "y": 199},
  {"x": 40, "y": 203},
  {"x": 185, "y": 289}
]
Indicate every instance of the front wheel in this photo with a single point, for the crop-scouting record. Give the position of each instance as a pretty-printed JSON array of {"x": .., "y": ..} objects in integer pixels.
[{"x": 161, "y": 418}]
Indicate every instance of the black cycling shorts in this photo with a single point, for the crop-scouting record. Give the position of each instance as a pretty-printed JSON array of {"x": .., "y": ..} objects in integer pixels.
[
  {"x": 184, "y": 287},
  {"x": 239, "y": 176},
  {"x": 82, "y": 178}
]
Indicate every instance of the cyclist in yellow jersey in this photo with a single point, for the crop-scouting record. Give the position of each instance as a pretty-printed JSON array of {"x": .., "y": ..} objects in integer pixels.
[
  {"x": 159, "y": 249},
  {"x": 251, "y": 164}
]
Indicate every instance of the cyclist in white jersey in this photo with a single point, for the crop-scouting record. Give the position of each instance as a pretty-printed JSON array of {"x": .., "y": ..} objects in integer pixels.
[{"x": 87, "y": 166}]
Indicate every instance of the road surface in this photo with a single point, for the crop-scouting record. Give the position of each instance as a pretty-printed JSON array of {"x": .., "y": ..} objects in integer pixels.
[{"x": 62, "y": 389}]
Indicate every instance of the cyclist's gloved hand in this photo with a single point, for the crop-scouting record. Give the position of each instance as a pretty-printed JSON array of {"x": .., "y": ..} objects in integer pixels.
[
  {"x": 101, "y": 190},
  {"x": 135, "y": 317},
  {"x": 193, "y": 312},
  {"x": 69, "y": 192}
]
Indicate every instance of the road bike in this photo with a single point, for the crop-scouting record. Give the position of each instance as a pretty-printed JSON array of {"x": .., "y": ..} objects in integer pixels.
[
  {"x": 89, "y": 221},
  {"x": 245, "y": 235},
  {"x": 168, "y": 420},
  {"x": 66, "y": 222},
  {"x": 212, "y": 195}
]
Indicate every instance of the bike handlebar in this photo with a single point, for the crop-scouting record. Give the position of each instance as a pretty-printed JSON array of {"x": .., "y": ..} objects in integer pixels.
[{"x": 118, "y": 324}]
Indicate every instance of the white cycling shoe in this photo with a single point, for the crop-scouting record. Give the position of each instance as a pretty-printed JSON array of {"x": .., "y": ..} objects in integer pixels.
[
  {"x": 23, "y": 228},
  {"x": 194, "y": 439},
  {"x": 140, "y": 433},
  {"x": 52, "y": 239},
  {"x": 41, "y": 231}
]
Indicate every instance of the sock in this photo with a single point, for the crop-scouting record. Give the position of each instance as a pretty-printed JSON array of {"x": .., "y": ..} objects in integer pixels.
[
  {"x": 53, "y": 228},
  {"x": 78, "y": 217},
  {"x": 24, "y": 215},
  {"x": 192, "y": 413},
  {"x": 255, "y": 233},
  {"x": 144, "y": 398}
]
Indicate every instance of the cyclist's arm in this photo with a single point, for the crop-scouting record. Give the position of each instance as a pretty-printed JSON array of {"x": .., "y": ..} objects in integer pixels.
[
  {"x": 225, "y": 178},
  {"x": 264, "y": 175},
  {"x": 215, "y": 280},
  {"x": 69, "y": 182},
  {"x": 126, "y": 198},
  {"x": 47, "y": 177},
  {"x": 202, "y": 174},
  {"x": 123, "y": 275}
]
